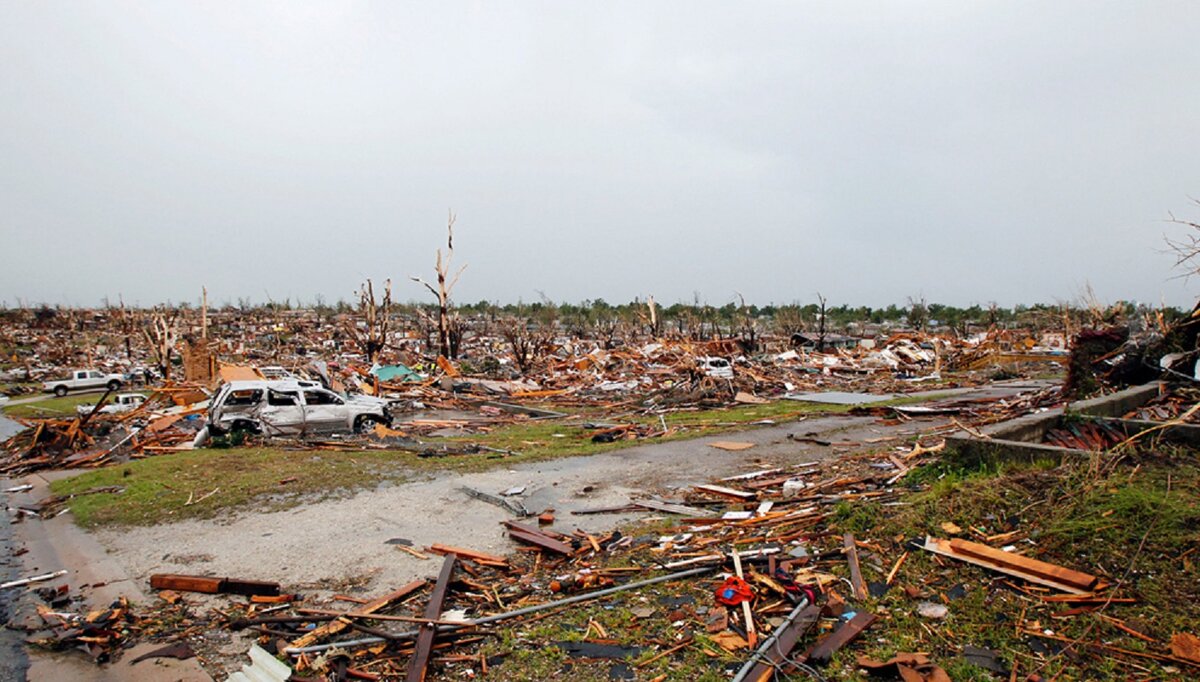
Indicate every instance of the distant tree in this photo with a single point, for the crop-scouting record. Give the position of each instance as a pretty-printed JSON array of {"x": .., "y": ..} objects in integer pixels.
[{"x": 449, "y": 331}]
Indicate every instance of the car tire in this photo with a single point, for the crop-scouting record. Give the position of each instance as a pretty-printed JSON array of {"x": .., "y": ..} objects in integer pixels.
[
  {"x": 366, "y": 422},
  {"x": 60, "y": 391},
  {"x": 113, "y": 385}
]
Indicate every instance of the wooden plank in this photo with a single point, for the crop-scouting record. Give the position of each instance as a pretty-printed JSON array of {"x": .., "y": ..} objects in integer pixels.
[
  {"x": 185, "y": 583},
  {"x": 938, "y": 546},
  {"x": 371, "y": 607},
  {"x": 780, "y": 650},
  {"x": 730, "y": 445},
  {"x": 466, "y": 553},
  {"x": 857, "y": 585},
  {"x": 681, "y": 509},
  {"x": 823, "y": 650},
  {"x": 535, "y": 537},
  {"x": 747, "y": 613},
  {"x": 418, "y": 664},
  {"x": 207, "y": 585},
  {"x": 726, "y": 492},
  {"x": 1041, "y": 569}
]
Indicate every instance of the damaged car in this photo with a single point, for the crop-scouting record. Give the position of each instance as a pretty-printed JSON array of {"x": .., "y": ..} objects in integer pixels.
[{"x": 292, "y": 407}]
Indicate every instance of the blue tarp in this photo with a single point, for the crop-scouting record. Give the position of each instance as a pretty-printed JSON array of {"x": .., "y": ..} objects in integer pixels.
[{"x": 395, "y": 373}]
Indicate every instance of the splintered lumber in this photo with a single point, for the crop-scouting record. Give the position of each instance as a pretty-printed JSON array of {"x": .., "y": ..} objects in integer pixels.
[
  {"x": 725, "y": 492},
  {"x": 670, "y": 508},
  {"x": 732, "y": 446},
  {"x": 433, "y": 610},
  {"x": 537, "y": 538},
  {"x": 206, "y": 585},
  {"x": 776, "y": 649},
  {"x": 487, "y": 620},
  {"x": 367, "y": 609},
  {"x": 751, "y": 631},
  {"x": 1033, "y": 570},
  {"x": 856, "y": 579},
  {"x": 466, "y": 553},
  {"x": 823, "y": 650}
]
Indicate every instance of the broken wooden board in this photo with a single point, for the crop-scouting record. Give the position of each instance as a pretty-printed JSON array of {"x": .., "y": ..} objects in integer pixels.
[
  {"x": 823, "y": 650},
  {"x": 856, "y": 580},
  {"x": 467, "y": 553},
  {"x": 725, "y": 492},
  {"x": 780, "y": 650},
  {"x": 367, "y": 609},
  {"x": 207, "y": 585},
  {"x": 670, "y": 508},
  {"x": 419, "y": 663},
  {"x": 537, "y": 538},
  {"x": 732, "y": 446},
  {"x": 1034, "y": 571}
]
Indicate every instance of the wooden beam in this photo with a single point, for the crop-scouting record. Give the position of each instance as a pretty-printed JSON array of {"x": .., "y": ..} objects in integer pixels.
[
  {"x": 1041, "y": 569},
  {"x": 747, "y": 612},
  {"x": 418, "y": 664},
  {"x": 466, "y": 553},
  {"x": 824, "y": 649},
  {"x": 856, "y": 580},
  {"x": 537, "y": 538},
  {"x": 779, "y": 651},
  {"x": 1008, "y": 567},
  {"x": 367, "y": 609}
]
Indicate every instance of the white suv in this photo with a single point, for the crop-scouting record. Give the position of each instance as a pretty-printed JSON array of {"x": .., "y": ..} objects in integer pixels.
[{"x": 291, "y": 407}]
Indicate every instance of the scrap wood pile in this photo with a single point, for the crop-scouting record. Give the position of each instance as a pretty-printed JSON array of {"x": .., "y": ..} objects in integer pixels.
[
  {"x": 104, "y": 634},
  {"x": 774, "y": 570},
  {"x": 93, "y": 438}
]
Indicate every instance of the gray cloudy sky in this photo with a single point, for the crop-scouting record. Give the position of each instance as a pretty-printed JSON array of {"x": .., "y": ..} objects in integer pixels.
[{"x": 966, "y": 151}]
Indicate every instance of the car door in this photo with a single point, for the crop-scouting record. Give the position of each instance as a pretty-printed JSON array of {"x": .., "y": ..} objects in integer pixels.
[
  {"x": 325, "y": 410},
  {"x": 283, "y": 413}
]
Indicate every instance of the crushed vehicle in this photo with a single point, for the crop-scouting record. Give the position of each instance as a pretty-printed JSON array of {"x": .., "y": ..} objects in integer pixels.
[
  {"x": 123, "y": 402},
  {"x": 292, "y": 407},
  {"x": 84, "y": 379},
  {"x": 715, "y": 367}
]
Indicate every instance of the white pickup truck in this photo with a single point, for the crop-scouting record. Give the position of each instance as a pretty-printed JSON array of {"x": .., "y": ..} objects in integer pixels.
[
  {"x": 122, "y": 403},
  {"x": 82, "y": 380}
]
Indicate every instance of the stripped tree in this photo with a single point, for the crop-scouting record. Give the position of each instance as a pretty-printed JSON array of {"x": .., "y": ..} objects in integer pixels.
[
  {"x": 527, "y": 339},
  {"x": 449, "y": 333},
  {"x": 162, "y": 332},
  {"x": 371, "y": 338}
]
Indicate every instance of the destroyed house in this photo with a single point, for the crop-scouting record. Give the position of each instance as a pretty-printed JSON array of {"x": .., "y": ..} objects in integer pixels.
[{"x": 832, "y": 341}]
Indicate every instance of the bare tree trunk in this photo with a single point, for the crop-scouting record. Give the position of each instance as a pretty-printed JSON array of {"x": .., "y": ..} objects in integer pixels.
[{"x": 449, "y": 335}]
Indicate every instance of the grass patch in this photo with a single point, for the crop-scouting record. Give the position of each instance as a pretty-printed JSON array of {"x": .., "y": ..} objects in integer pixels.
[
  {"x": 1137, "y": 525},
  {"x": 52, "y": 407},
  {"x": 157, "y": 488}
]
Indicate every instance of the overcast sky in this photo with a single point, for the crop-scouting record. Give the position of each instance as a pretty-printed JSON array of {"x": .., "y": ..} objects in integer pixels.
[{"x": 964, "y": 151}]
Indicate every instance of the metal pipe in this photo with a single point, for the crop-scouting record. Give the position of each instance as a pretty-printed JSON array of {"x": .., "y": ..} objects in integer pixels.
[
  {"x": 766, "y": 646},
  {"x": 486, "y": 620}
]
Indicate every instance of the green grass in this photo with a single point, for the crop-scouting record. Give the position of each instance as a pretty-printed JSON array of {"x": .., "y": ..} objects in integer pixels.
[
  {"x": 52, "y": 407},
  {"x": 157, "y": 489},
  {"x": 1074, "y": 517}
]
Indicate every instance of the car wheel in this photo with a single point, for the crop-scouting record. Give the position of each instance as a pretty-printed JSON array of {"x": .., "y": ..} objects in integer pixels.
[
  {"x": 60, "y": 391},
  {"x": 366, "y": 423},
  {"x": 114, "y": 385}
]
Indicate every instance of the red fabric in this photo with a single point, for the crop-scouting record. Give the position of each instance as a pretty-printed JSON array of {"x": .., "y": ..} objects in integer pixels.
[{"x": 734, "y": 591}]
